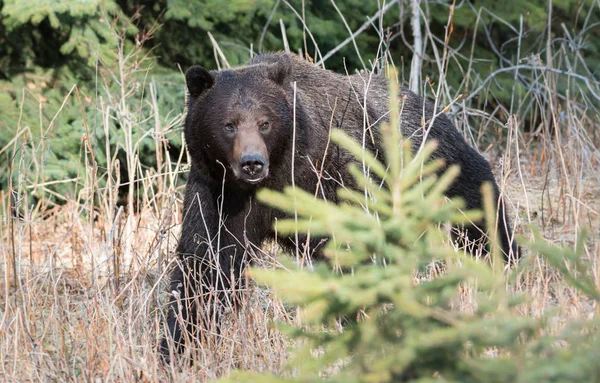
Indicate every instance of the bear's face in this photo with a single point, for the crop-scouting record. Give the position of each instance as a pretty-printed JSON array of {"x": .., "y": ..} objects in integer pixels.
[{"x": 239, "y": 119}]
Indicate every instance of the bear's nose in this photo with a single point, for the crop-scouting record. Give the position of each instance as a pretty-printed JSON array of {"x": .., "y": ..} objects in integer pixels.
[{"x": 252, "y": 164}]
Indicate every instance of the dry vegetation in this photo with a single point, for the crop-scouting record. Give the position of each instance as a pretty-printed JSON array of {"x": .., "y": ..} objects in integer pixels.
[{"x": 83, "y": 286}]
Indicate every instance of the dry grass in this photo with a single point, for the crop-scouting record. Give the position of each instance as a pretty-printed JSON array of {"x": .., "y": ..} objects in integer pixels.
[{"x": 83, "y": 283}]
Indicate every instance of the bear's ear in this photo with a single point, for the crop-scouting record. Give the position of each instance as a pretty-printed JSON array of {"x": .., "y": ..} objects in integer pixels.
[
  {"x": 198, "y": 80},
  {"x": 280, "y": 71}
]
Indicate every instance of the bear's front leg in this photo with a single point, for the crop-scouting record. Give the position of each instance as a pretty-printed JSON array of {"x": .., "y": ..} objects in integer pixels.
[
  {"x": 201, "y": 288},
  {"x": 211, "y": 259}
]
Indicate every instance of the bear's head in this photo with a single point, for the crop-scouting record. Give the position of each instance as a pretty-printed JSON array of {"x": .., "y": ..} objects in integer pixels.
[{"x": 239, "y": 120}]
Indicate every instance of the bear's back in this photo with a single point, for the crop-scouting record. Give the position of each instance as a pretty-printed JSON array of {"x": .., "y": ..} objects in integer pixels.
[{"x": 344, "y": 98}]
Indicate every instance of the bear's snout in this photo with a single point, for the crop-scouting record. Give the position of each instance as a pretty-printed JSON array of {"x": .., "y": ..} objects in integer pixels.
[
  {"x": 252, "y": 167},
  {"x": 250, "y": 160},
  {"x": 252, "y": 164}
]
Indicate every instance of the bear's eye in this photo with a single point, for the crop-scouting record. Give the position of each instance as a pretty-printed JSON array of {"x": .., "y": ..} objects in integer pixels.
[
  {"x": 230, "y": 127},
  {"x": 264, "y": 126}
]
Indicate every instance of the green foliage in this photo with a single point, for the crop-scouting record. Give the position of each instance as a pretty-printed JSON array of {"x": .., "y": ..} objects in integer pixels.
[
  {"x": 238, "y": 25},
  {"x": 53, "y": 33},
  {"x": 397, "y": 324},
  {"x": 29, "y": 122},
  {"x": 54, "y": 133},
  {"x": 205, "y": 13},
  {"x": 501, "y": 42}
]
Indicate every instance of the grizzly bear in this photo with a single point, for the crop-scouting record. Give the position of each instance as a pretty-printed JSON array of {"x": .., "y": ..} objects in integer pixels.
[{"x": 244, "y": 129}]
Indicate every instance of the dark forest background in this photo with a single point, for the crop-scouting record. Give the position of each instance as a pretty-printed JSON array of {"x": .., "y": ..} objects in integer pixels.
[{"x": 62, "y": 62}]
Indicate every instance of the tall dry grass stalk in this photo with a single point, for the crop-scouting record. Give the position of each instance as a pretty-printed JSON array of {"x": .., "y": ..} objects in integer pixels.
[{"x": 83, "y": 282}]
